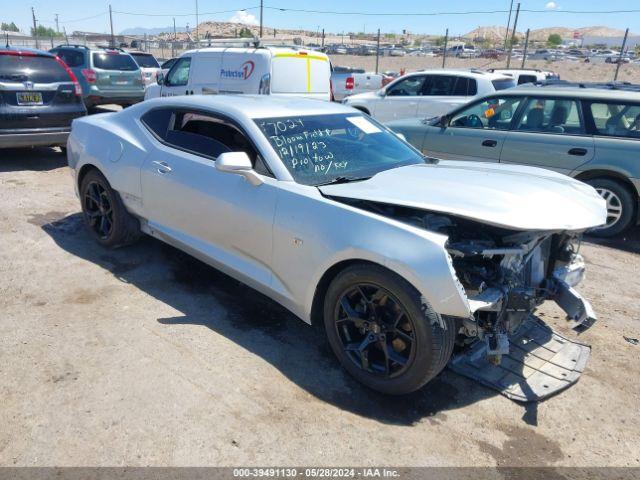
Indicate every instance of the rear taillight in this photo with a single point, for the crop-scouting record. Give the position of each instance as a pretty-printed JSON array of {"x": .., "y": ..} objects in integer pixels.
[
  {"x": 89, "y": 75},
  {"x": 349, "y": 83},
  {"x": 72, "y": 76}
]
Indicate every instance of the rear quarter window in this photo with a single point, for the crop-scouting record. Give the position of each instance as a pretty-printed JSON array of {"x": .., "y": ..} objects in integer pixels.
[
  {"x": 145, "y": 60},
  {"x": 616, "y": 119},
  {"x": 503, "y": 83},
  {"x": 14, "y": 68},
  {"x": 157, "y": 121},
  {"x": 114, "y": 61}
]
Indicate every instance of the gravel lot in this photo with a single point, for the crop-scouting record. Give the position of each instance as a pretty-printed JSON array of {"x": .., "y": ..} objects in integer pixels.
[
  {"x": 144, "y": 356},
  {"x": 568, "y": 70}
]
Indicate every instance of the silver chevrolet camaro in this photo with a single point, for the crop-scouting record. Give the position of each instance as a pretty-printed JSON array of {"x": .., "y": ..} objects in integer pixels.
[{"x": 329, "y": 213}]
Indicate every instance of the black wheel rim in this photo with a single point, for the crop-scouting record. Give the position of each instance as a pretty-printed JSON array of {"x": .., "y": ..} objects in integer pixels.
[
  {"x": 98, "y": 210},
  {"x": 376, "y": 332}
]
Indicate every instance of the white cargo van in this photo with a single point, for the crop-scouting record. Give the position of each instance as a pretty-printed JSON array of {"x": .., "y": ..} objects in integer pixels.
[{"x": 261, "y": 70}]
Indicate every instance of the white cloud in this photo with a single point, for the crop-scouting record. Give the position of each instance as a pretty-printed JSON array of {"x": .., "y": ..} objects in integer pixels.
[
  {"x": 244, "y": 17},
  {"x": 551, "y": 5}
]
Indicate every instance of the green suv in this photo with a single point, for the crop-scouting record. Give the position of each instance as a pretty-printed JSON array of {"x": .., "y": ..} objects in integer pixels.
[
  {"x": 106, "y": 75},
  {"x": 588, "y": 133}
]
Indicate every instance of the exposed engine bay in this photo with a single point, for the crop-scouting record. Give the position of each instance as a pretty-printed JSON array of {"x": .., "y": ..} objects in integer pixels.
[{"x": 505, "y": 274}]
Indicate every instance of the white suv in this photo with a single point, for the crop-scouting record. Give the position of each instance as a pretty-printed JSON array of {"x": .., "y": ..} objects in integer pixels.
[{"x": 428, "y": 93}]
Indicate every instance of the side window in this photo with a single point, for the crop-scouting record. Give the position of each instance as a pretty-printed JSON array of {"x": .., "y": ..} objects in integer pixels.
[
  {"x": 551, "y": 115},
  {"x": 409, "y": 87},
  {"x": 72, "y": 58},
  {"x": 179, "y": 73},
  {"x": 441, "y": 85},
  {"x": 465, "y": 87},
  {"x": 493, "y": 113},
  {"x": 157, "y": 121},
  {"x": 616, "y": 119}
]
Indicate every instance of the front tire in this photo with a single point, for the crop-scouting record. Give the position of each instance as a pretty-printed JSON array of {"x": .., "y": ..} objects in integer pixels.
[
  {"x": 381, "y": 331},
  {"x": 620, "y": 207},
  {"x": 104, "y": 214}
]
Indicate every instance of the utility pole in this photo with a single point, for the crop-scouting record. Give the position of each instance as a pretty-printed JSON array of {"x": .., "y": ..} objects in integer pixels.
[
  {"x": 261, "y": 8},
  {"x": 377, "y": 50},
  {"x": 624, "y": 44},
  {"x": 175, "y": 39},
  {"x": 57, "y": 26},
  {"x": 113, "y": 40},
  {"x": 35, "y": 27},
  {"x": 197, "y": 23},
  {"x": 506, "y": 35},
  {"x": 513, "y": 36},
  {"x": 65, "y": 35},
  {"x": 526, "y": 47},
  {"x": 444, "y": 52},
  {"x": 323, "y": 38}
]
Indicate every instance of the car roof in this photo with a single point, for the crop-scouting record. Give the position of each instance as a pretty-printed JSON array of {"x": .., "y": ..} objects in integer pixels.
[
  {"x": 458, "y": 71},
  {"x": 26, "y": 50},
  {"x": 573, "y": 92},
  {"x": 251, "y": 106},
  {"x": 267, "y": 49}
]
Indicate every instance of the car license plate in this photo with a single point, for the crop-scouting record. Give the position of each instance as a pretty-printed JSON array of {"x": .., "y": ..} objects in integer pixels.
[
  {"x": 29, "y": 98},
  {"x": 121, "y": 81}
]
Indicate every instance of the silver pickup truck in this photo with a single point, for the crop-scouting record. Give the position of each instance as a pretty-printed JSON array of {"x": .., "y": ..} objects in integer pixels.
[{"x": 346, "y": 81}]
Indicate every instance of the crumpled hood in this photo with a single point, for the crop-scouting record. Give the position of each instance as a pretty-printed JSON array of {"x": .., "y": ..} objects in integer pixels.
[{"x": 511, "y": 196}]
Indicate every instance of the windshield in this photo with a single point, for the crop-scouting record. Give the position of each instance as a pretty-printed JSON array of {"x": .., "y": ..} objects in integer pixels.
[
  {"x": 114, "y": 61},
  {"x": 145, "y": 60},
  {"x": 320, "y": 149}
]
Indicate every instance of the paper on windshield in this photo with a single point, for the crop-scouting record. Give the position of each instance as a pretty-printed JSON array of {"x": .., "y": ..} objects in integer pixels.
[{"x": 363, "y": 124}]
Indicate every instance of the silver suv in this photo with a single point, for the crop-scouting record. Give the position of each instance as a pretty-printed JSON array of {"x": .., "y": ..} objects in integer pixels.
[{"x": 587, "y": 133}]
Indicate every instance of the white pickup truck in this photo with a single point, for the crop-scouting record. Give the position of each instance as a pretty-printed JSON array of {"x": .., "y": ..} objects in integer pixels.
[{"x": 347, "y": 81}]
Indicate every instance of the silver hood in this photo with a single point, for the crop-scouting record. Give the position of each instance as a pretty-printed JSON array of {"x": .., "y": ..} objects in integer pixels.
[{"x": 510, "y": 196}]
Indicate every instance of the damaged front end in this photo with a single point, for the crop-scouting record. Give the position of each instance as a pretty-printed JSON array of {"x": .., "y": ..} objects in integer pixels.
[{"x": 505, "y": 273}]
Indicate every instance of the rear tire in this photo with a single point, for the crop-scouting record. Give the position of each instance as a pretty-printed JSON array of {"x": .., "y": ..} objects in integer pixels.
[
  {"x": 381, "y": 331},
  {"x": 620, "y": 207},
  {"x": 104, "y": 214}
]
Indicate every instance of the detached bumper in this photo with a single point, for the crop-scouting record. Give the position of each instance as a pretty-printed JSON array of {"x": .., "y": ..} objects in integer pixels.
[
  {"x": 577, "y": 307},
  {"x": 34, "y": 139}
]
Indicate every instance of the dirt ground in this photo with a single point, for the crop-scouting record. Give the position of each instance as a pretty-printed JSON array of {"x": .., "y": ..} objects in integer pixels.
[
  {"x": 145, "y": 356},
  {"x": 573, "y": 71}
]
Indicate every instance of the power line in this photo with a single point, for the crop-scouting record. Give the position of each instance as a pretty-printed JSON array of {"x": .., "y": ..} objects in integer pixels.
[
  {"x": 472, "y": 12},
  {"x": 145, "y": 14}
]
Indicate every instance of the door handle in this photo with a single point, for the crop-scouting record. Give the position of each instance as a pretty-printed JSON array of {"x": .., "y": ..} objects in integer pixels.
[
  {"x": 162, "y": 167},
  {"x": 580, "y": 152},
  {"x": 489, "y": 143}
]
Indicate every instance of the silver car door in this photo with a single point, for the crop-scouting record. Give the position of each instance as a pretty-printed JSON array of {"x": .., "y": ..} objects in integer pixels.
[
  {"x": 219, "y": 217},
  {"x": 477, "y": 132},
  {"x": 550, "y": 133}
]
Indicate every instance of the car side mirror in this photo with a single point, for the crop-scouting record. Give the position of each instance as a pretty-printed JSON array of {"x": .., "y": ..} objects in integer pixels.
[
  {"x": 238, "y": 163},
  {"x": 160, "y": 78},
  {"x": 444, "y": 121},
  {"x": 382, "y": 92}
]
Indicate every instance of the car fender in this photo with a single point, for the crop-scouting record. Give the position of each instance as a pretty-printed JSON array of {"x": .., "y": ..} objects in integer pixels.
[{"x": 305, "y": 250}]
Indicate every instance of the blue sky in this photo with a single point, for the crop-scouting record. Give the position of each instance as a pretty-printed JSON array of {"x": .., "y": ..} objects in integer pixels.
[{"x": 72, "y": 14}]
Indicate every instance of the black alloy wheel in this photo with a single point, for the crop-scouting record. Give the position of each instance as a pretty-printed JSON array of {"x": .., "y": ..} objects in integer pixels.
[
  {"x": 98, "y": 210},
  {"x": 376, "y": 331}
]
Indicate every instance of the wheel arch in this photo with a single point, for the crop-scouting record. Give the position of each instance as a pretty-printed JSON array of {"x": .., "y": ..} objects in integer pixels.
[
  {"x": 611, "y": 175},
  {"x": 329, "y": 275},
  {"x": 619, "y": 178},
  {"x": 84, "y": 170}
]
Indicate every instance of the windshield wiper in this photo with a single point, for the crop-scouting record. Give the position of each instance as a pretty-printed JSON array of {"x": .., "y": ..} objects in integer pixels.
[{"x": 338, "y": 180}]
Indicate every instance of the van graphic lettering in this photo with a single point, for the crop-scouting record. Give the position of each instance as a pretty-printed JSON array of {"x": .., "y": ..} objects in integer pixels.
[{"x": 244, "y": 73}]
